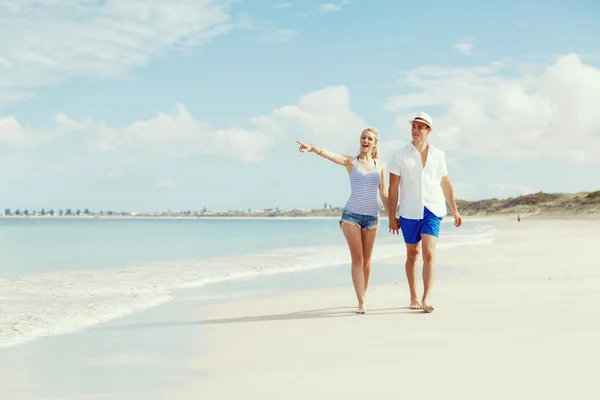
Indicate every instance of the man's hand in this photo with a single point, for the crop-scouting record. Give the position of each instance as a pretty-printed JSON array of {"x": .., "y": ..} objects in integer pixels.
[
  {"x": 394, "y": 226},
  {"x": 457, "y": 219},
  {"x": 448, "y": 190}
]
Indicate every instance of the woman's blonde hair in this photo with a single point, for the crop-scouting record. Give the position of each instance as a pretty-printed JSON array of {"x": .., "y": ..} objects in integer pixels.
[{"x": 374, "y": 152}]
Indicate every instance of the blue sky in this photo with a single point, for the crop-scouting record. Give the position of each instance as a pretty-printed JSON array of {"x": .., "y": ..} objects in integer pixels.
[{"x": 153, "y": 105}]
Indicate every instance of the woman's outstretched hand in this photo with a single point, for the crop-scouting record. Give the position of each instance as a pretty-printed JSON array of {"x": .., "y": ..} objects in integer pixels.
[{"x": 304, "y": 147}]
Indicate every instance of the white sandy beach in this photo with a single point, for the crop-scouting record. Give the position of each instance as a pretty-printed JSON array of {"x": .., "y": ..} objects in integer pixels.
[{"x": 524, "y": 325}]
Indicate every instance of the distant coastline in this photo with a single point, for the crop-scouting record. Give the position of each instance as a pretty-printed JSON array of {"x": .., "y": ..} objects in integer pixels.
[{"x": 535, "y": 204}]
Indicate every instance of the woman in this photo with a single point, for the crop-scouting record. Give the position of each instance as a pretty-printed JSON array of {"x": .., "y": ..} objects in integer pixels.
[{"x": 360, "y": 217}]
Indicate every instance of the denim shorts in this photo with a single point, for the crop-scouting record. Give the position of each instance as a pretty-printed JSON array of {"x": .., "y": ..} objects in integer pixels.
[{"x": 361, "y": 220}]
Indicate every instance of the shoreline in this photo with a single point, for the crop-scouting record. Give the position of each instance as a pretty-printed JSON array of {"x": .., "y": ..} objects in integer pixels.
[
  {"x": 594, "y": 215},
  {"x": 493, "y": 217},
  {"x": 204, "y": 284},
  {"x": 161, "y": 217}
]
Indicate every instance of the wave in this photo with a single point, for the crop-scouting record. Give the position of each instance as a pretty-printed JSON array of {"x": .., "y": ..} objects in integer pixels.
[{"x": 65, "y": 302}]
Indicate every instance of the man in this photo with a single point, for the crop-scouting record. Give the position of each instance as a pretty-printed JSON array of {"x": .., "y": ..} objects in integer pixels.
[{"x": 419, "y": 170}]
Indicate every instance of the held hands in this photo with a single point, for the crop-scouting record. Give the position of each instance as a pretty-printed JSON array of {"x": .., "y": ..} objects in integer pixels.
[{"x": 394, "y": 226}]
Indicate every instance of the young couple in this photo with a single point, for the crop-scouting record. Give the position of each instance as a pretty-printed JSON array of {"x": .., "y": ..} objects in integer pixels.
[{"x": 419, "y": 172}]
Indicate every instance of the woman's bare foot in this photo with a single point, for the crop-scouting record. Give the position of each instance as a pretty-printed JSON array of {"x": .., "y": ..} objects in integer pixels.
[
  {"x": 414, "y": 304},
  {"x": 428, "y": 308},
  {"x": 362, "y": 308}
]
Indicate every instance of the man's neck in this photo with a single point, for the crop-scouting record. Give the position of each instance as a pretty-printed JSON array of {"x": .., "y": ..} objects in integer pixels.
[{"x": 421, "y": 146}]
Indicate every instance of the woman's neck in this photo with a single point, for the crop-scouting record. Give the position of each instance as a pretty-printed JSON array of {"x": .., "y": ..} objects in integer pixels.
[{"x": 367, "y": 157}]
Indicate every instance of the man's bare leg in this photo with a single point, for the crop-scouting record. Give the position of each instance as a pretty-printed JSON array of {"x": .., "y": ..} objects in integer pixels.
[
  {"x": 428, "y": 243},
  {"x": 412, "y": 257}
]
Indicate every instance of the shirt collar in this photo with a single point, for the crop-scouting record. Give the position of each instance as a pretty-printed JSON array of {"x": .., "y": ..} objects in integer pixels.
[{"x": 411, "y": 146}]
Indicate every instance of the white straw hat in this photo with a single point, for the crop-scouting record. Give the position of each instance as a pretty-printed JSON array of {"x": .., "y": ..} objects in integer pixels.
[{"x": 423, "y": 117}]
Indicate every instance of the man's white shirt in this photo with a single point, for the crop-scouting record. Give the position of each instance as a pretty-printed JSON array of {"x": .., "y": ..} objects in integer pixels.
[{"x": 419, "y": 187}]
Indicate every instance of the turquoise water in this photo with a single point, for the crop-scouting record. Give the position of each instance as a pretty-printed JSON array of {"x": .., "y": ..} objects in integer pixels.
[
  {"x": 30, "y": 245},
  {"x": 58, "y": 275}
]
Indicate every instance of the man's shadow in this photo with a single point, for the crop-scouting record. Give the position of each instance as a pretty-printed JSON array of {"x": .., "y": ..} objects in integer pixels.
[{"x": 334, "y": 312}]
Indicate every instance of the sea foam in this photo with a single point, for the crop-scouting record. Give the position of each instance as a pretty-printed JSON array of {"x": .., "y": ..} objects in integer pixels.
[{"x": 69, "y": 301}]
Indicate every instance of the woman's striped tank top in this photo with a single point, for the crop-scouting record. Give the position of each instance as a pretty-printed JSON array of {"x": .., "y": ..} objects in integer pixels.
[{"x": 364, "y": 186}]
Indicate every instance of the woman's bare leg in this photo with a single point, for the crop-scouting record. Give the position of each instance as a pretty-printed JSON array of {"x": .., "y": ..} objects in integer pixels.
[
  {"x": 368, "y": 242},
  {"x": 354, "y": 239}
]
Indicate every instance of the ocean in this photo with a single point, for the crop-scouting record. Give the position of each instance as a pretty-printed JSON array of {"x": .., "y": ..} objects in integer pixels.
[{"x": 60, "y": 275}]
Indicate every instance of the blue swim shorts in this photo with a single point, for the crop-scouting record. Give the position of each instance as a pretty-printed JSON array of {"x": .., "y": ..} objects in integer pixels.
[
  {"x": 413, "y": 228},
  {"x": 361, "y": 220}
]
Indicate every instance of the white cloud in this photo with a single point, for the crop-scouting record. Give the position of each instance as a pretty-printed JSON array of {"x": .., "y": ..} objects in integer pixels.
[
  {"x": 280, "y": 36},
  {"x": 167, "y": 184},
  {"x": 325, "y": 8},
  {"x": 283, "y": 5},
  {"x": 266, "y": 31},
  {"x": 46, "y": 43},
  {"x": 19, "y": 136},
  {"x": 509, "y": 110},
  {"x": 179, "y": 134},
  {"x": 323, "y": 116},
  {"x": 329, "y": 7},
  {"x": 464, "y": 48}
]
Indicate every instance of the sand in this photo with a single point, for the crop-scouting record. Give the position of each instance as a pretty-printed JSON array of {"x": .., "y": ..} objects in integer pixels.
[{"x": 524, "y": 324}]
